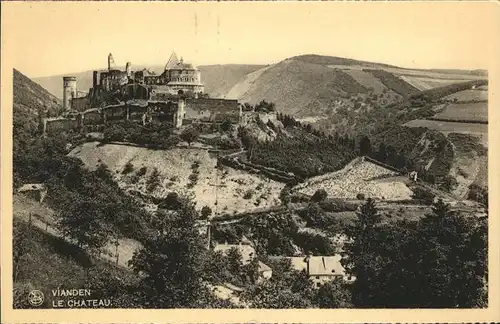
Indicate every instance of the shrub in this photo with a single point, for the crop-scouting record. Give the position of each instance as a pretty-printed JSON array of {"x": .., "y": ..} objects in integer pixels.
[
  {"x": 129, "y": 167},
  {"x": 171, "y": 202},
  {"x": 319, "y": 195},
  {"x": 426, "y": 196},
  {"x": 226, "y": 125},
  {"x": 248, "y": 194},
  {"x": 154, "y": 180},
  {"x": 205, "y": 212},
  {"x": 360, "y": 196},
  {"x": 142, "y": 171},
  {"x": 337, "y": 205},
  {"x": 195, "y": 165},
  {"x": 193, "y": 177}
]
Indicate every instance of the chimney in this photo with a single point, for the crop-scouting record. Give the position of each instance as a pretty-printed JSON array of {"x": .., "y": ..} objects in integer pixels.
[{"x": 306, "y": 260}]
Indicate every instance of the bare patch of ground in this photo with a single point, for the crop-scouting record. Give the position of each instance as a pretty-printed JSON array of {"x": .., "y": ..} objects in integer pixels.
[
  {"x": 237, "y": 191},
  {"x": 359, "y": 177}
]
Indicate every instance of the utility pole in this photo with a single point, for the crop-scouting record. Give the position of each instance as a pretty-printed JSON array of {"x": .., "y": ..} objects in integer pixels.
[{"x": 216, "y": 208}]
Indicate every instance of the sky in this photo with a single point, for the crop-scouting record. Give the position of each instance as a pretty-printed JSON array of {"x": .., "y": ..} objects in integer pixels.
[{"x": 60, "y": 37}]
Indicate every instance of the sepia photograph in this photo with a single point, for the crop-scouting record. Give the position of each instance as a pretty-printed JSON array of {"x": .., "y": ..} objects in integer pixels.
[{"x": 248, "y": 156}]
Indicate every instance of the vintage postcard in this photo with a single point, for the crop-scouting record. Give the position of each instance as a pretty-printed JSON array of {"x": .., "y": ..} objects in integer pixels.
[{"x": 234, "y": 162}]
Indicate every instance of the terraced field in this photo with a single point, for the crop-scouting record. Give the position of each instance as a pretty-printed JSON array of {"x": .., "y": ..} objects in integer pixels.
[
  {"x": 359, "y": 177},
  {"x": 474, "y": 111},
  {"x": 426, "y": 83},
  {"x": 420, "y": 79},
  {"x": 446, "y": 127},
  {"x": 367, "y": 80},
  {"x": 469, "y": 95}
]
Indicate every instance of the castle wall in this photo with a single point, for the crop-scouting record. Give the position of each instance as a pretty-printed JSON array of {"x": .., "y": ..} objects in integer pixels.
[
  {"x": 212, "y": 109},
  {"x": 51, "y": 125},
  {"x": 80, "y": 104}
]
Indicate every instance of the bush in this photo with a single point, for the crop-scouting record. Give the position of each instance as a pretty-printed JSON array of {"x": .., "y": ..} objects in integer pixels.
[
  {"x": 142, "y": 171},
  {"x": 193, "y": 177},
  {"x": 360, "y": 196},
  {"x": 319, "y": 195},
  {"x": 154, "y": 180},
  {"x": 426, "y": 196},
  {"x": 129, "y": 167},
  {"x": 226, "y": 125},
  {"x": 248, "y": 194},
  {"x": 195, "y": 165},
  {"x": 337, "y": 206},
  {"x": 205, "y": 212},
  {"x": 171, "y": 202}
]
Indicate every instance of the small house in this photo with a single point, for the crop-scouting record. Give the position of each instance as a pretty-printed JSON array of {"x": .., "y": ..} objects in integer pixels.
[{"x": 37, "y": 191}]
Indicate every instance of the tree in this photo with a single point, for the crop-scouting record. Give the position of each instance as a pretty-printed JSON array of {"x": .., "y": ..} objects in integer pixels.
[
  {"x": 189, "y": 135},
  {"x": 234, "y": 261},
  {"x": 319, "y": 195},
  {"x": 154, "y": 180},
  {"x": 171, "y": 202},
  {"x": 285, "y": 195},
  {"x": 452, "y": 260},
  {"x": 423, "y": 194},
  {"x": 314, "y": 215},
  {"x": 333, "y": 294},
  {"x": 84, "y": 221},
  {"x": 287, "y": 288},
  {"x": 365, "y": 147},
  {"x": 361, "y": 261},
  {"x": 21, "y": 237},
  {"x": 226, "y": 125},
  {"x": 438, "y": 261},
  {"x": 381, "y": 153},
  {"x": 265, "y": 106},
  {"x": 206, "y": 212},
  {"x": 171, "y": 264}
]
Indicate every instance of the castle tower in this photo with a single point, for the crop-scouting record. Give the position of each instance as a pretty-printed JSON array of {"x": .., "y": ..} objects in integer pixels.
[
  {"x": 69, "y": 91},
  {"x": 111, "y": 61},
  {"x": 128, "y": 69}
]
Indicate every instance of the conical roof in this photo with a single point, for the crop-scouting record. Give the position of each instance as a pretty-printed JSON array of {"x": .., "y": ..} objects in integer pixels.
[{"x": 173, "y": 61}]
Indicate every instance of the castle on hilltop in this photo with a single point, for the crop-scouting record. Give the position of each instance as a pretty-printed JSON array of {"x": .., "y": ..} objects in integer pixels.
[{"x": 175, "y": 96}]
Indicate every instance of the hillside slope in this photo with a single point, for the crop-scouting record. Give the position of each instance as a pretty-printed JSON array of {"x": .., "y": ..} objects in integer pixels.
[
  {"x": 30, "y": 103},
  {"x": 175, "y": 168},
  {"x": 219, "y": 79},
  {"x": 32, "y": 97},
  {"x": 299, "y": 88}
]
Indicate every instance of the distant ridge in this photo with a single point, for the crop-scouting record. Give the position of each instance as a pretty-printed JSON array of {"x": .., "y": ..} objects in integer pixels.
[{"x": 333, "y": 60}]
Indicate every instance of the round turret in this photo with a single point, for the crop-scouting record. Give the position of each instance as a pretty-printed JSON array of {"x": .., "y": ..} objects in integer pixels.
[
  {"x": 128, "y": 69},
  {"x": 111, "y": 61},
  {"x": 69, "y": 91}
]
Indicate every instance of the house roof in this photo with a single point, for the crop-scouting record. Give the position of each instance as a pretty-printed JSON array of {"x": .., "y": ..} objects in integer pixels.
[
  {"x": 326, "y": 266},
  {"x": 319, "y": 265},
  {"x": 264, "y": 267},
  {"x": 32, "y": 187},
  {"x": 172, "y": 61}
]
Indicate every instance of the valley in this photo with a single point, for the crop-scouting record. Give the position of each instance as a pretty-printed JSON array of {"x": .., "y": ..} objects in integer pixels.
[{"x": 324, "y": 150}]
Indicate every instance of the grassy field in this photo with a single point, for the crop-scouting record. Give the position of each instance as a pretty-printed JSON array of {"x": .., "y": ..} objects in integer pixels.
[
  {"x": 446, "y": 127},
  {"x": 469, "y": 95},
  {"x": 426, "y": 83},
  {"x": 420, "y": 79},
  {"x": 367, "y": 80},
  {"x": 474, "y": 111}
]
